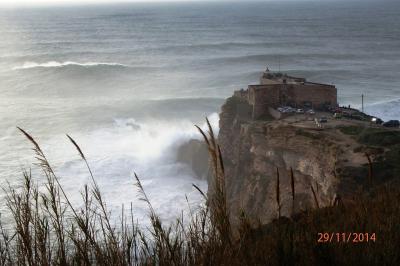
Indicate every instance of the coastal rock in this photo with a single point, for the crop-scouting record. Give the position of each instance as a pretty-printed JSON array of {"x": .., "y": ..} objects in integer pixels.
[{"x": 195, "y": 154}]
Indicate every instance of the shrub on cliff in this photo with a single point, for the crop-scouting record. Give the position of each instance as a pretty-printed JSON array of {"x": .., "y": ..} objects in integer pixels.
[{"x": 379, "y": 137}]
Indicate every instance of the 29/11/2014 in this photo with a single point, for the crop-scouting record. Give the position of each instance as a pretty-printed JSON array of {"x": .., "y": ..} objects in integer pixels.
[{"x": 345, "y": 237}]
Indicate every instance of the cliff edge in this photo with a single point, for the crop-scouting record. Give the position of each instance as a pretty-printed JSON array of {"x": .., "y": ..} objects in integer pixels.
[{"x": 330, "y": 163}]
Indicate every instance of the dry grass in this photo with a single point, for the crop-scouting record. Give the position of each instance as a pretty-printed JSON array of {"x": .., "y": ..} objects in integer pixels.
[{"x": 48, "y": 230}]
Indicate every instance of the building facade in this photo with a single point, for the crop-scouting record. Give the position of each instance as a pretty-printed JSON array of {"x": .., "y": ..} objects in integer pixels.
[{"x": 276, "y": 89}]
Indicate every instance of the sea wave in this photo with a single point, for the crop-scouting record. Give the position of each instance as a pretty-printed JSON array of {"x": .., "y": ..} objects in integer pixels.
[
  {"x": 154, "y": 139},
  {"x": 286, "y": 57},
  {"x": 55, "y": 64},
  {"x": 127, "y": 147},
  {"x": 225, "y": 46},
  {"x": 386, "y": 110}
]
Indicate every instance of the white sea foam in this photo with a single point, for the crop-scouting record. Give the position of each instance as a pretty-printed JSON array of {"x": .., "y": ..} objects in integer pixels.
[
  {"x": 147, "y": 148},
  {"x": 51, "y": 64},
  {"x": 386, "y": 110}
]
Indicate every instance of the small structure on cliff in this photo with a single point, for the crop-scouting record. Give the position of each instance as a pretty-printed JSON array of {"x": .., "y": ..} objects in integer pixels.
[{"x": 277, "y": 89}]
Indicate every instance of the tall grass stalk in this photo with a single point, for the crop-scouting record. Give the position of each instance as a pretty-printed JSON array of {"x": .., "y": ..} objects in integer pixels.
[{"x": 48, "y": 230}]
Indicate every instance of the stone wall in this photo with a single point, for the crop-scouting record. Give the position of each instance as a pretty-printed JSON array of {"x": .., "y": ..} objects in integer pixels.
[
  {"x": 263, "y": 96},
  {"x": 243, "y": 94},
  {"x": 318, "y": 95}
]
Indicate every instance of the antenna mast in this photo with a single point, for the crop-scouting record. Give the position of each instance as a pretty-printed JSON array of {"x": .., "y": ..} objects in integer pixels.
[
  {"x": 279, "y": 64},
  {"x": 362, "y": 103}
]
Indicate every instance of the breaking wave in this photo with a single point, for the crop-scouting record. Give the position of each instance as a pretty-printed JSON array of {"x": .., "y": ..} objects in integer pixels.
[
  {"x": 386, "y": 110},
  {"x": 52, "y": 64},
  {"x": 128, "y": 146}
]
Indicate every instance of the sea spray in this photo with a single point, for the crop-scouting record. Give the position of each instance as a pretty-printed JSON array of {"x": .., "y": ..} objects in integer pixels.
[{"x": 130, "y": 146}]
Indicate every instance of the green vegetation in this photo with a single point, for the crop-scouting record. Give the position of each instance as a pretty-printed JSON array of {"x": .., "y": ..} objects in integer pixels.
[
  {"x": 49, "y": 230},
  {"x": 381, "y": 143},
  {"x": 387, "y": 166},
  {"x": 379, "y": 137},
  {"x": 351, "y": 130},
  {"x": 372, "y": 136},
  {"x": 294, "y": 241}
]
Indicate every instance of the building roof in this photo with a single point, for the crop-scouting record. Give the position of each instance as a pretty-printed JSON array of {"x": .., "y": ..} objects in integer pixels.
[{"x": 272, "y": 78}]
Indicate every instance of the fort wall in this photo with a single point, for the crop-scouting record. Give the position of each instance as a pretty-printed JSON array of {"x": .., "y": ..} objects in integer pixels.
[
  {"x": 243, "y": 94},
  {"x": 283, "y": 90},
  {"x": 318, "y": 95},
  {"x": 262, "y": 97}
]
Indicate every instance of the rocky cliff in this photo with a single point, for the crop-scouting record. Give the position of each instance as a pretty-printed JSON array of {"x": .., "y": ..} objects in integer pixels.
[
  {"x": 194, "y": 153},
  {"x": 331, "y": 161}
]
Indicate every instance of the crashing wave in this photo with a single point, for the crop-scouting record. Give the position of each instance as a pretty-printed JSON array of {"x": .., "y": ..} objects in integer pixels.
[{"x": 386, "y": 110}]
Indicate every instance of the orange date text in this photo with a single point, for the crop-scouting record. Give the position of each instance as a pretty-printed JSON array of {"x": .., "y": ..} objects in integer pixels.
[{"x": 338, "y": 237}]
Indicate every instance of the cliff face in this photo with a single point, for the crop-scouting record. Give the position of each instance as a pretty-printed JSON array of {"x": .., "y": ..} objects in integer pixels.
[
  {"x": 331, "y": 161},
  {"x": 194, "y": 153}
]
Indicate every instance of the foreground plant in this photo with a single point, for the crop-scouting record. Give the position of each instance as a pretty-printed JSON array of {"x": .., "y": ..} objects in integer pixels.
[{"x": 49, "y": 230}]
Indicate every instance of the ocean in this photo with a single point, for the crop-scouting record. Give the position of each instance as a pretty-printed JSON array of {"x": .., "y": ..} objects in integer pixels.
[{"x": 128, "y": 82}]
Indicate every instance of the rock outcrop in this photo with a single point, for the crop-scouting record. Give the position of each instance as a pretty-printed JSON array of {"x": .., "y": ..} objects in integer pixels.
[
  {"x": 194, "y": 153},
  {"x": 331, "y": 161}
]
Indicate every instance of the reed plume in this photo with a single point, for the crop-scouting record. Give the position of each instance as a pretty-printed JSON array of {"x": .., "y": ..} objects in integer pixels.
[
  {"x": 293, "y": 188},
  {"x": 315, "y": 197},
  {"x": 278, "y": 194}
]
